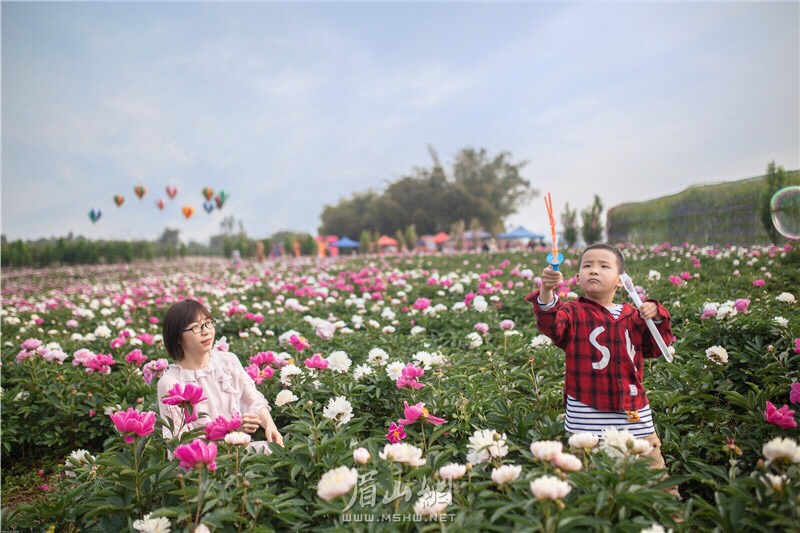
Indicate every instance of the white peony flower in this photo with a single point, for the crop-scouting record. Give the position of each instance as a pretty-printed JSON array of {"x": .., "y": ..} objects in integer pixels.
[
  {"x": 452, "y": 471},
  {"x": 567, "y": 462},
  {"x": 781, "y": 448},
  {"x": 717, "y": 354},
  {"x": 80, "y": 458},
  {"x": 583, "y": 441},
  {"x": 337, "y": 482},
  {"x": 546, "y": 450},
  {"x": 549, "y": 488},
  {"x": 152, "y": 525},
  {"x": 285, "y": 396},
  {"x": 395, "y": 370},
  {"x": 288, "y": 371},
  {"x": 485, "y": 444},
  {"x": 616, "y": 442},
  {"x": 237, "y": 438},
  {"x": 416, "y": 330},
  {"x": 475, "y": 339},
  {"x": 338, "y": 409},
  {"x": 378, "y": 357},
  {"x": 786, "y": 297},
  {"x": 541, "y": 340},
  {"x": 338, "y": 361},
  {"x": 361, "y": 456},
  {"x": 782, "y": 322},
  {"x": 654, "y": 275},
  {"x": 402, "y": 453},
  {"x": 506, "y": 474},
  {"x": 432, "y": 503}
]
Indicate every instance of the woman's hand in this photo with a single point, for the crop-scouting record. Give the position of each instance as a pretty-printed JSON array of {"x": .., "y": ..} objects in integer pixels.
[
  {"x": 273, "y": 435},
  {"x": 250, "y": 422}
]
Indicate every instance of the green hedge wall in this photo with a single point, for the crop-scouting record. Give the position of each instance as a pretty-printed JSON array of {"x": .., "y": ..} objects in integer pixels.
[{"x": 725, "y": 213}]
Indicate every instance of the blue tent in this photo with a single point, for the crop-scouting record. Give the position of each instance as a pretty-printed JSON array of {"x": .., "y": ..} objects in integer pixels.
[
  {"x": 345, "y": 242},
  {"x": 520, "y": 233}
]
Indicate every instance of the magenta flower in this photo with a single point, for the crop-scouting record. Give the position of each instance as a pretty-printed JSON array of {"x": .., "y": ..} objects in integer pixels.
[
  {"x": 482, "y": 328},
  {"x": 396, "y": 433},
  {"x": 758, "y": 282},
  {"x": 794, "y": 395},
  {"x": 422, "y": 304},
  {"x": 186, "y": 397},
  {"x": 153, "y": 320},
  {"x": 316, "y": 361},
  {"x": 133, "y": 422},
  {"x": 686, "y": 275},
  {"x": 100, "y": 363},
  {"x": 783, "y": 417},
  {"x": 197, "y": 454},
  {"x": 117, "y": 342},
  {"x": 221, "y": 426},
  {"x": 675, "y": 280},
  {"x": 797, "y": 346},
  {"x": 258, "y": 374},
  {"x": 145, "y": 338},
  {"x": 741, "y": 305},
  {"x": 299, "y": 343},
  {"x": 264, "y": 358},
  {"x": 135, "y": 357},
  {"x": 408, "y": 377},
  {"x": 413, "y": 413}
]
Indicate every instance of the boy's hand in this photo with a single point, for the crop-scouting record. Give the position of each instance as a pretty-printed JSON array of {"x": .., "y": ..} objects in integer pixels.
[
  {"x": 551, "y": 279},
  {"x": 648, "y": 311}
]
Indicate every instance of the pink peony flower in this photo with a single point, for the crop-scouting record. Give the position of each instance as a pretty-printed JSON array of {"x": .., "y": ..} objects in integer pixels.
[
  {"x": 222, "y": 345},
  {"x": 135, "y": 357},
  {"x": 758, "y": 282},
  {"x": 794, "y": 395},
  {"x": 299, "y": 343},
  {"x": 396, "y": 433},
  {"x": 258, "y": 374},
  {"x": 197, "y": 454},
  {"x": 783, "y": 417},
  {"x": 316, "y": 361},
  {"x": 187, "y": 397},
  {"x": 686, "y": 275},
  {"x": 145, "y": 338},
  {"x": 413, "y": 413},
  {"x": 506, "y": 325},
  {"x": 100, "y": 363},
  {"x": 71, "y": 323},
  {"x": 482, "y": 328},
  {"x": 117, "y": 342},
  {"x": 221, "y": 426},
  {"x": 797, "y": 346},
  {"x": 154, "y": 369},
  {"x": 408, "y": 377},
  {"x": 153, "y": 320},
  {"x": 422, "y": 304},
  {"x": 741, "y": 305},
  {"x": 265, "y": 358},
  {"x": 133, "y": 422},
  {"x": 675, "y": 280},
  {"x": 30, "y": 344}
]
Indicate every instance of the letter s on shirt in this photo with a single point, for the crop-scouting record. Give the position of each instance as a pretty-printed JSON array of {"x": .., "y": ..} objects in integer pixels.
[{"x": 602, "y": 363}]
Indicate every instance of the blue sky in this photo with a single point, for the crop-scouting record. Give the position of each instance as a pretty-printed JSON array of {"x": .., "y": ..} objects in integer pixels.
[{"x": 292, "y": 106}]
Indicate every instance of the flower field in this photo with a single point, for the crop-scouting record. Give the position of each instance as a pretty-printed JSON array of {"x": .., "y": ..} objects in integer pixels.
[{"x": 413, "y": 393}]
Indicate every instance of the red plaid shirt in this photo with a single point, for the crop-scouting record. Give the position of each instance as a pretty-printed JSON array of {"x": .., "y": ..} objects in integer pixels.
[{"x": 604, "y": 356}]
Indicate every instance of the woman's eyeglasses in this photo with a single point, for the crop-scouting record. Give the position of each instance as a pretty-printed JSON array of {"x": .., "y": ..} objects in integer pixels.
[{"x": 200, "y": 327}]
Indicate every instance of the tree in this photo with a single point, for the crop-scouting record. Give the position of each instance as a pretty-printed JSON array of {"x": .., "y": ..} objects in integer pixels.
[
  {"x": 569, "y": 220},
  {"x": 592, "y": 228},
  {"x": 774, "y": 181}
]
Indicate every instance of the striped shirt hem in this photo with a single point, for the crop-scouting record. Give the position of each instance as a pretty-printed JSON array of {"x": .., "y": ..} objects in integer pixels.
[{"x": 582, "y": 418}]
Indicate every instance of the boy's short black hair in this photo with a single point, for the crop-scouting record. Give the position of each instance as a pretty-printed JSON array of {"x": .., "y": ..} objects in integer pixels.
[
  {"x": 613, "y": 249},
  {"x": 177, "y": 317}
]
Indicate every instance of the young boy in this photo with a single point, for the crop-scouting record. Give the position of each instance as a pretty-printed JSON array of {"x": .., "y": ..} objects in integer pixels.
[{"x": 604, "y": 345}]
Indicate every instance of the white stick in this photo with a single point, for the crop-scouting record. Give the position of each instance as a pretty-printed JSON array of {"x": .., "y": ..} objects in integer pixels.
[{"x": 627, "y": 282}]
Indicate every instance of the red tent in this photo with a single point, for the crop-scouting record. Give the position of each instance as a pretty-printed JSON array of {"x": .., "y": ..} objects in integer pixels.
[
  {"x": 441, "y": 237},
  {"x": 385, "y": 240}
]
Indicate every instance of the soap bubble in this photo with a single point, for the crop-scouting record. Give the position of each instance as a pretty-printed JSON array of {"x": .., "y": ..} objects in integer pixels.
[{"x": 785, "y": 209}]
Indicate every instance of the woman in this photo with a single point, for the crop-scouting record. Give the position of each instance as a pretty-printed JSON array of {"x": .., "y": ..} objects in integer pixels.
[{"x": 188, "y": 331}]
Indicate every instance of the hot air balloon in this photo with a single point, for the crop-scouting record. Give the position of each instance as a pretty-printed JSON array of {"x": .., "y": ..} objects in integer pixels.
[
  {"x": 208, "y": 206},
  {"x": 207, "y": 192},
  {"x": 171, "y": 191},
  {"x": 119, "y": 199},
  {"x": 220, "y": 199},
  {"x": 160, "y": 204},
  {"x": 188, "y": 211},
  {"x": 140, "y": 191},
  {"x": 95, "y": 214}
]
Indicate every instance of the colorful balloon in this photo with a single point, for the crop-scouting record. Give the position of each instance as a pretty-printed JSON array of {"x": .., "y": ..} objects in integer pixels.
[
  {"x": 188, "y": 211},
  {"x": 95, "y": 214},
  {"x": 119, "y": 199},
  {"x": 220, "y": 199},
  {"x": 140, "y": 191},
  {"x": 208, "y": 206},
  {"x": 160, "y": 204},
  {"x": 208, "y": 193},
  {"x": 171, "y": 191}
]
